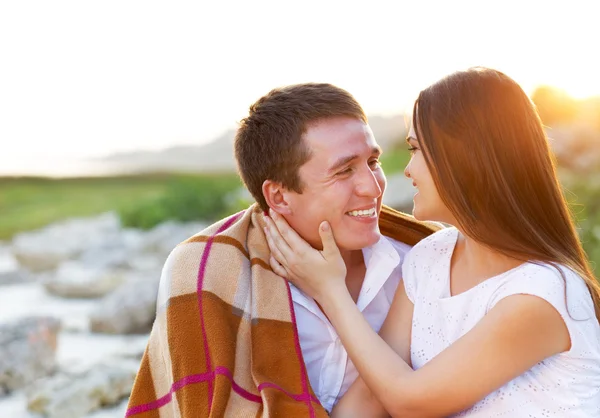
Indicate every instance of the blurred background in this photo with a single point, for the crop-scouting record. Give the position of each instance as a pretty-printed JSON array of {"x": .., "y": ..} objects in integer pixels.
[{"x": 117, "y": 121}]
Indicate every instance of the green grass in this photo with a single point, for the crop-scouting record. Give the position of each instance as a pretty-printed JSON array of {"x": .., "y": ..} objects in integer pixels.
[
  {"x": 395, "y": 159},
  {"x": 28, "y": 202},
  {"x": 188, "y": 199},
  {"x": 583, "y": 195}
]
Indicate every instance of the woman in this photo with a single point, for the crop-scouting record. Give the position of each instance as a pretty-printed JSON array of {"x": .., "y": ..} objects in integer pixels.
[{"x": 498, "y": 315}]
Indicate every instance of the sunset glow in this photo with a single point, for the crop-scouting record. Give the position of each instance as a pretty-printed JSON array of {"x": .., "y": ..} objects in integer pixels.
[{"x": 86, "y": 79}]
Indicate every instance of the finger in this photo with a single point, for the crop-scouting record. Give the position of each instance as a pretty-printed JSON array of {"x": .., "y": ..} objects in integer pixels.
[
  {"x": 291, "y": 237},
  {"x": 275, "y": 251},
  {"x": 330, "y": 248},
  {"x": 277, "y": 268},
  {"x": 277, "y": 240}
]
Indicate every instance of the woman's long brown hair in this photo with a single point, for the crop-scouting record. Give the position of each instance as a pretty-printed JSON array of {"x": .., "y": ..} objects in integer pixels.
[{"x": 489, "y": 157}]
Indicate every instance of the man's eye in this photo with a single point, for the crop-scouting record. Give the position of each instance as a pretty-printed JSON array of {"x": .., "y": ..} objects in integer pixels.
[
  {"x": 375, "y": 163},
  {"x": 346, "y": 171}
]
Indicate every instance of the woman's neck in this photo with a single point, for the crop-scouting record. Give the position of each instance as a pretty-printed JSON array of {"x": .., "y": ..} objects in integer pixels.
[{"x": 473, "y": 262}]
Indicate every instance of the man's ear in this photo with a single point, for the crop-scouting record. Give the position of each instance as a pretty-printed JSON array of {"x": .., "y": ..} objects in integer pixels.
[{"x": 277, "y": 197}]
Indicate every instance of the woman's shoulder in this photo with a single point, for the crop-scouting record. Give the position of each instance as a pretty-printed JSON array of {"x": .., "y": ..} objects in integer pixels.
[
  {"x": 424, "y": 259},
  {"x": 428, "y": 252},
  {"x": 549, "y": 275},
  {"x": 558, "y": 284},
  {"x": 438, "y": 242}
]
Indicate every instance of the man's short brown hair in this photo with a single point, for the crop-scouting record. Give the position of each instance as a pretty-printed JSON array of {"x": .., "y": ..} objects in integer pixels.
[{"x": 269, "y": 143}]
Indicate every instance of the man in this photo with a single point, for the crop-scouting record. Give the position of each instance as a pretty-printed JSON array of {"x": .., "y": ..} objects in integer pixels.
[{"x": 233, "y": 339}]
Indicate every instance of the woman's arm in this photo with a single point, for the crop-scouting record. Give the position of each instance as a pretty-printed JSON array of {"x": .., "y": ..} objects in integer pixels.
[
  {"x": 519, "y": 332},
  {"x": 359, "y": 401}
]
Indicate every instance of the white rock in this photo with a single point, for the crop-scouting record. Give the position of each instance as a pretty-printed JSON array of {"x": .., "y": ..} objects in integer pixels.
[
  {"x": 74, "y": 396},
  {"x": 129, "y": 309},
  {"x": 10, "y": 271},
  {"x": 74, "y": 279},
  {"x": 45, "y": 249},
  {"x": 165, "y": 236},
  {"x": 27, "y": 351}
]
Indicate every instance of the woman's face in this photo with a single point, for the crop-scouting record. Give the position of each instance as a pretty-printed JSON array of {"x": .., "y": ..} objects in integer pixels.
[{"x": 427, "y": 203}]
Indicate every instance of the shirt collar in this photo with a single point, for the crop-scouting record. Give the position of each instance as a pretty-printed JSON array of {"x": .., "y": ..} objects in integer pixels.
[{"x": 380, "y": 258}]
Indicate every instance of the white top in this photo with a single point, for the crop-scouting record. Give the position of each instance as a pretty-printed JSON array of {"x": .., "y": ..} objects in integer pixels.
[
  {"x": 564, "y": 385},
  {"x": 330, "y": 371}
]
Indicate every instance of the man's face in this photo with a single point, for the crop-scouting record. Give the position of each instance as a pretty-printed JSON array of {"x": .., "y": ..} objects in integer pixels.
[{"x": 343, "y": 184}]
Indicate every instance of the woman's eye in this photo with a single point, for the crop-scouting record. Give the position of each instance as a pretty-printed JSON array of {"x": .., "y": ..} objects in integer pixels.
[{"x": 413, "y": 149}]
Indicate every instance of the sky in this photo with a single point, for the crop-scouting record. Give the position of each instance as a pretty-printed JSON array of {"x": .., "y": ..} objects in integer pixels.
[{"x": 83, "y": 79}]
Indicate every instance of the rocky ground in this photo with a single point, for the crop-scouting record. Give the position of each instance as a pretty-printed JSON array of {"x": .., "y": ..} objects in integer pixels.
[{"x": 77, "y": 300}]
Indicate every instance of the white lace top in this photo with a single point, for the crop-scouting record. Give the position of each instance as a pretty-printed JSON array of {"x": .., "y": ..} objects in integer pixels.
[{"x": 564, "y": 385}]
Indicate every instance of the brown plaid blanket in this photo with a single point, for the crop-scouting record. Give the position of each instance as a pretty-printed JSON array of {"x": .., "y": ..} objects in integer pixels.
[{"x": 224, "y": 342}]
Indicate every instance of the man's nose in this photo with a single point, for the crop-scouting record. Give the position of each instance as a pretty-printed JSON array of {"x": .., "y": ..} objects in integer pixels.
[{"x": 368, "y": 184}]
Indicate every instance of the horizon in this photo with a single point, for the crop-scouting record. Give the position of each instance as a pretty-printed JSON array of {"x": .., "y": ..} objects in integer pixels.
[{"x": 87, "y": 80}]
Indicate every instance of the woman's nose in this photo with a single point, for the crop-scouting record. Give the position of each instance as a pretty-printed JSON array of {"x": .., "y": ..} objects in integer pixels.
[{"x": 407, "y": 170}]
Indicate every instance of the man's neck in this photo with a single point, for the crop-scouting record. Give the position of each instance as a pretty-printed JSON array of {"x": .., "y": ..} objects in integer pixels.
[{"x": 355, "y": 271}]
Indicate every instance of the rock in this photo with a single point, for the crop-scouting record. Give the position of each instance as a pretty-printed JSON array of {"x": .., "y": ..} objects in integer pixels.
[
  {"x": 75, "y": 395},
  {"x": 165, "y": 236},
  {"x": 9, "y": 268},
  {"x": 145, "y": 262},
  {"x": 38, "y": 250},
  {"x": 115, "y": 251},
  {"x": 74, "y": 279},
  {"x": 104, "y": 258},
  {"x": 14, "y": 276},
  {"x": 27, "y": 351},
  {"x": 97, "y": 241},
  {"x": 130, "y": 309},
  {"x": 399, "y": 193},
  {"x": 117, "y": 411}
]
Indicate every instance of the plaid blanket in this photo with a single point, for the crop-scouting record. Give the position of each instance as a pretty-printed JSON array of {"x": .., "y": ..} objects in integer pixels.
[{"x": 224, "y": 342}]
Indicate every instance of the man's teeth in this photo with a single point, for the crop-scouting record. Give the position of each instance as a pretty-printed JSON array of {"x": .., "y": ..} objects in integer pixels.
[{"x": 368, "y": 212}]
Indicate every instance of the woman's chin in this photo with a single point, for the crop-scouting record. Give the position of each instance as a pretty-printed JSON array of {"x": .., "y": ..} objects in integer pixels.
[{"x": 419, "y": 214}]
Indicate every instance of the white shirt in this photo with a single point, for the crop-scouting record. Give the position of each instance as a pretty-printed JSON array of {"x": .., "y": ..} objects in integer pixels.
[
  {"x": 330, "y": 371},
  {"x": 564, "y": 385}
]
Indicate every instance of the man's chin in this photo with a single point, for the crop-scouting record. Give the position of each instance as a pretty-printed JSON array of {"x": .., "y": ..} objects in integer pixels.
[{"x": 358, "y": 243}]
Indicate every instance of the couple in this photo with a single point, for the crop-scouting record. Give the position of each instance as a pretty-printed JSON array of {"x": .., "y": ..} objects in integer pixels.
[{"x": 395, "y": 316}]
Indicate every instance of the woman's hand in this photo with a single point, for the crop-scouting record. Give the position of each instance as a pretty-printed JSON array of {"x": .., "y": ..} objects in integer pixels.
[{"x": 319, "y": 274}]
